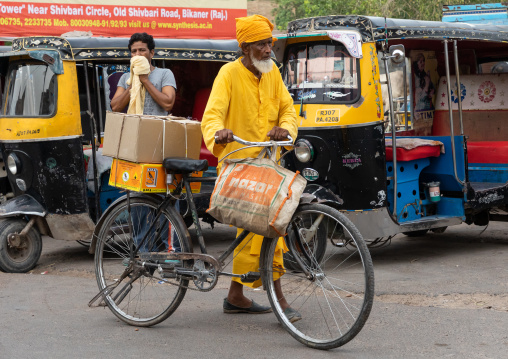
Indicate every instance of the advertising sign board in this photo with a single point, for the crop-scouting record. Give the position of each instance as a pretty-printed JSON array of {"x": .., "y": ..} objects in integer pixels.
[{"x": 121, "y": 18}]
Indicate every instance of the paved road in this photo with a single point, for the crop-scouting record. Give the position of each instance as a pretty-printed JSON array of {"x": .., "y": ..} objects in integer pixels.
[{"x": 438, "y": 296}]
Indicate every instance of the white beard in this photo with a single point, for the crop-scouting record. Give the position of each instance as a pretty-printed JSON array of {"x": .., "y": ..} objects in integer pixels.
[{"x": 263, "y": 66}]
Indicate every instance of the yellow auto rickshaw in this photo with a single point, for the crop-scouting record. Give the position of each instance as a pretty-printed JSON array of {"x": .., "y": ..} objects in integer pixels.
[
  {"x": 55, "y": 94},
  {"x": 353, "y": 77}
]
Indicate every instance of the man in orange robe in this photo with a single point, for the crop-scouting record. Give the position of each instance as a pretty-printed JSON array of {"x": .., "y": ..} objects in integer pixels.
[{"x": 250, "y": 100}]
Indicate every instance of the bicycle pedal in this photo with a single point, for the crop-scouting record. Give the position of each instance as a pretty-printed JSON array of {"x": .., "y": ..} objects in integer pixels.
[{"x": 250, "y": 277}]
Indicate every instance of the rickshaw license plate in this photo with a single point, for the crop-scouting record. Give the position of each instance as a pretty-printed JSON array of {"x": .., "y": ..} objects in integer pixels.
[{"x": 328, "y": 116}]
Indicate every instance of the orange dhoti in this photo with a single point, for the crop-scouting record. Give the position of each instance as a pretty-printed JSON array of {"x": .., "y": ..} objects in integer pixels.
[{"x": 246, "y": 257}]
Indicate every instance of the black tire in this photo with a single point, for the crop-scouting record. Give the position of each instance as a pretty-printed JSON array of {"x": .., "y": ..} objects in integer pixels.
[
  {"x": 85, "y": 243},
  {"x": 152, "y": 297},
  {"x": 418, "y": 233},
  {"x": 336, "y": 301},
  {"x": 19, "y": 260}
]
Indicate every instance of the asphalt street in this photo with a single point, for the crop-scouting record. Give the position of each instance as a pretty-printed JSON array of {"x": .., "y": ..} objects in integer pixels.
[{"x": 438, "y": 296}]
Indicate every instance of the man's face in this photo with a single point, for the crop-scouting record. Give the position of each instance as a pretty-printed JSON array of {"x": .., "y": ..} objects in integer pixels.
[
  {"x": 262, "y": 49},
  {"x": 139, "y": 48}
]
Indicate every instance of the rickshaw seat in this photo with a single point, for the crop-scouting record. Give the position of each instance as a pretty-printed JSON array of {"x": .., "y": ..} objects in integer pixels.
[
  {"x": 113, "y": 81},
  {"x": 405, "y": 153},
  {"x": 184, "y": 165},
  {"x": 487, "y": 152},
  {"x": 200, "y": 101}
]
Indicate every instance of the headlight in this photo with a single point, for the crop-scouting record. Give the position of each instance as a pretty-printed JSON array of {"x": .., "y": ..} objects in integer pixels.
[
  {"x": 13, "y": 163},
  {"x": 304, "y": 151}
]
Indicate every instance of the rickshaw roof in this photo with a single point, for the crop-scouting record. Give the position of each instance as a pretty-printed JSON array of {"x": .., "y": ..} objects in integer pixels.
[
  {"x": 101, "y": 48},
  {"x": 380, "y": 28}
]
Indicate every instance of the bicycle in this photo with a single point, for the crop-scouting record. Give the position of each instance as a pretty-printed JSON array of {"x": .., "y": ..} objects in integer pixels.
[{"x": 329, "y": 276}]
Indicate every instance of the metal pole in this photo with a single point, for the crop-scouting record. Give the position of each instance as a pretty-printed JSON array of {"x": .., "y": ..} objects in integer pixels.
[
  {"x": 404, "y": 74},
  {"x": 457, "y": 78},
  {"x": 99, "y": 102},
  {"x": 394, "y": 141},
  {"x": 93, "y": 130},
  {"x": 450, "y": 111}
]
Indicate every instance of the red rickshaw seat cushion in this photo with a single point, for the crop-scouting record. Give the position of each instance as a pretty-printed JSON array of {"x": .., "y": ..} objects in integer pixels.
[
  {"x": 417, "y": 153},
  {"x": 200, "y": 101},
  {"x": 487, "y": 152}
]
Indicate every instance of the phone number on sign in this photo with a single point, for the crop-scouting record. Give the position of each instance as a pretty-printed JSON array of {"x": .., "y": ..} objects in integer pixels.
[
  {"x": 12, "y": 21},
  {"x": 99, "y": 23},
  {"x": 26, "y": 22}
]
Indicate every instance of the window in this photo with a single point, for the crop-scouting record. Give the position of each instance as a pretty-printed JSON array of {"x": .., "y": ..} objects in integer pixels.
[
  {"x": 30, "y": 91},
  {"x": 321, "y": 72}
]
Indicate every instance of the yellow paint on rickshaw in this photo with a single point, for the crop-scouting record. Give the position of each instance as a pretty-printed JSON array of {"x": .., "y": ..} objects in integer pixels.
[
  {"x": 67, "y": 119},
  {"x": 368, "y": 108}
]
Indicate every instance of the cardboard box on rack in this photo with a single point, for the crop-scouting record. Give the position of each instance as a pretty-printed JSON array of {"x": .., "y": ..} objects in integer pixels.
[
  {"x": 150, "y": 139},
  {"x": 145, "y": 177}
]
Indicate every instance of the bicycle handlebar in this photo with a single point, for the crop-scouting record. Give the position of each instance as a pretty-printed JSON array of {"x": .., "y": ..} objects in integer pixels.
[
  {"x": 250, "y": 144},
  {"x": 263, "y": 144}
]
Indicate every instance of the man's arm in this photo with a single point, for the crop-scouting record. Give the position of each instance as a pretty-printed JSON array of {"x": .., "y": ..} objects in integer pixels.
[
  {"x": 164, "y": 98},
  {"x": 121, "y": 99}
]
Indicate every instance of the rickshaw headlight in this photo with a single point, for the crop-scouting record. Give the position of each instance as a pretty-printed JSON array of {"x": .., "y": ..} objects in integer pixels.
[
  {"x": 13, "y": 163},
  {"x": 304, "y": 151}
]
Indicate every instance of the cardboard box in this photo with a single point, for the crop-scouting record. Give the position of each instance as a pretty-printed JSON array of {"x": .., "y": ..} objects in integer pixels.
[
  {"x": 145, "y": 177},
  {"x": 150, "y": 139}
]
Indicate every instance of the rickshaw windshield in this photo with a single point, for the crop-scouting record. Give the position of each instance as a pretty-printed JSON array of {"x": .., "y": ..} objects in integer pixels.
[
  {"x": 30, "y": 90},
  {"x": 321, "y": 72}
]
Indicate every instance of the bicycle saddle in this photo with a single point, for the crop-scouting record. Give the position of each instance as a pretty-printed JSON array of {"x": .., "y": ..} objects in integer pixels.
[{"x": 184, "y": 165}]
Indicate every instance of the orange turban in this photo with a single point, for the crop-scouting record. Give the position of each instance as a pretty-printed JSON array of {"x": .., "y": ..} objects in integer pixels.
[{"x": 253, "y": 28}]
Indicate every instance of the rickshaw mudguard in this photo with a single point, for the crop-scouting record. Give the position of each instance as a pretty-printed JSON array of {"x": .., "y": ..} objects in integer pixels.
[
  {"x": 315, "y": 193},
  {"x": 22, "y": 205}
]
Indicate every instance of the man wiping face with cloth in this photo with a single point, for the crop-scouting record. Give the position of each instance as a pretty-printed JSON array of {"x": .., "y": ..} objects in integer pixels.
[
  {"x": 148, "y": 90},
  {"x": 250, "y": 100}
]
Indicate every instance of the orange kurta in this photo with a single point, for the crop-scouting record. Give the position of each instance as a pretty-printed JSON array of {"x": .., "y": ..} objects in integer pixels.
[{"x": 250, "y": 107}]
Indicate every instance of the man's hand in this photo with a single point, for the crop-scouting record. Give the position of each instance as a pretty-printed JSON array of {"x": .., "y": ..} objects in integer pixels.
[
  {"x": 143, "y": 79},
  {"x": 224, "y": 136},
  {"x": 278, "y": 134}
]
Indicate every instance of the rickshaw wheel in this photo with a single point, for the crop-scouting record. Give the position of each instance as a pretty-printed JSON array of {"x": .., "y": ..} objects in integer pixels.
[
  {"x": 84, "y": 243},
  {"x": 316, "y": 244},
  {"x": 19, "y": 257}
]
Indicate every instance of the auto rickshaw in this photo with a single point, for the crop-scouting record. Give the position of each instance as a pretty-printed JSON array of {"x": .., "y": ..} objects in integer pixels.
[
  {"x": 451, "y": 160},
  {"x": 55, "y": 94}
]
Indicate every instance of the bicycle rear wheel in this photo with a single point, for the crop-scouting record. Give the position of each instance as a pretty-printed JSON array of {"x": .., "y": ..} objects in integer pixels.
[
  {"x": 147, "y": 296},
  {"x": 335, "y": 299}
]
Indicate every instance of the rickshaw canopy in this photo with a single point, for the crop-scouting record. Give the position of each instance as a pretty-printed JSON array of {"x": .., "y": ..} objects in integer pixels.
[
  {"x": 381, "y": 29},
  {"x": 97, "y": 48}
]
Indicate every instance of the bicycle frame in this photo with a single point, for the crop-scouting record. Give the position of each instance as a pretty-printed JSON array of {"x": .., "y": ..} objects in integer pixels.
[{"x": 185, "y": 184}]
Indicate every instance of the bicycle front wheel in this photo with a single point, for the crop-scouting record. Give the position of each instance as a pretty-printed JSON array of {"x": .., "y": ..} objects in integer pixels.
[
  {"x": 332, "y": 291},
  {"x": 148, "y": 295}
]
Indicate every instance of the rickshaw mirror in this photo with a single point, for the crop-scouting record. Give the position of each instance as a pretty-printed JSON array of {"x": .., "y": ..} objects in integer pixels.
[
  {"x": 52, "y": 58},
  {"x": 397, "y": 55}
]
